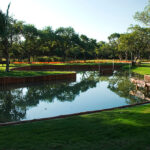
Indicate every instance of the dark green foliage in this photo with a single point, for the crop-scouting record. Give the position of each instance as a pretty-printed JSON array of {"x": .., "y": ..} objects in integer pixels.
[
  {"x": 48, "y": 59},
  {"x": 2, "y": 23}
]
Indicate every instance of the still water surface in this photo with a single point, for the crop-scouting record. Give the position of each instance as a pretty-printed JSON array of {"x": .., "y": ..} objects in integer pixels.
[{"x": 90, "y": 91}]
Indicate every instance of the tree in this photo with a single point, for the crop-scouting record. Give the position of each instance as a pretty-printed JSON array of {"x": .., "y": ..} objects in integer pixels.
[
  {"x": 84, "y": 45},
  {"x": 92, "y": 45},
  {"x": 142, "y": 40},
  {"x": 103, "y": 50},
  {"x": 144, "y": 16},
  {"x": 10, "y": 32},
  {"x": 65, "y": 37},
  {"x": 30, "y": 34},
  {"x": 47, "y": 42},
  {"x": 2, "y": 29},
  {"x": 126, "y": 44},
  {"x": 75, "y": 49},
  {"x": 113, "y": 41},
  {"x": 5, "y": 33},
  {"x": 135, "y": 43},
  {"x": 98, "y": 49}
]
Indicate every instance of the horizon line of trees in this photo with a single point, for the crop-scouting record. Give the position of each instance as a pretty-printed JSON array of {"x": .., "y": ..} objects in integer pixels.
[{"x": 24, "y": 41}]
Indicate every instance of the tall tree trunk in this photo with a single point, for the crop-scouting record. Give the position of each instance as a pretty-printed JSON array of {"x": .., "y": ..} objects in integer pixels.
[
  {"x": 132, "y": 60},
  {"x": 126, "y": 55},
  {"x": 120, "y": 57},
  {"x": 7, "y": 55},
  {"x": 29, "y": 60},
  {"x": 7, "y": 62}
]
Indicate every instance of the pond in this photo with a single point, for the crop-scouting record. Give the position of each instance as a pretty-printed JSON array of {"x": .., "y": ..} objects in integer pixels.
[{"x": 91, "y": 91}]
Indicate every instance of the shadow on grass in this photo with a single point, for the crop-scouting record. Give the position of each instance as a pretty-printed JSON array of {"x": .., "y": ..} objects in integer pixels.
[
  {"x": 144, "y": 65},
  {"x": 120, "y": 129}
]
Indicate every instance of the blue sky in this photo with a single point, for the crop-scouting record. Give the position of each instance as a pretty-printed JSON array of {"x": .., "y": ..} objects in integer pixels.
[{"x": 95, "y": 18}]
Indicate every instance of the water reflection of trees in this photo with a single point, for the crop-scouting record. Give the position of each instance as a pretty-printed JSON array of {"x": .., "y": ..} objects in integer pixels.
[
  {"x": 9, "y": 110},
  {"x": 121, "y": 85},
  {"x": 15, "y": 102}
]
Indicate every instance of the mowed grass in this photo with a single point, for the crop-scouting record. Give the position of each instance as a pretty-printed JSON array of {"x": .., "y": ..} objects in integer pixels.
[
  {"x": 120, "y": 129},
  {"x": 104, "y": 62},
  {"x": 142, "y": 69},
  {"x": 90, "y": 63},
  {"x": 29, "y": 73}
]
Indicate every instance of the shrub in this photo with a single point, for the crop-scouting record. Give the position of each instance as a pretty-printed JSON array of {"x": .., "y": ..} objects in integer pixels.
[{"x": 48, "y": 59}]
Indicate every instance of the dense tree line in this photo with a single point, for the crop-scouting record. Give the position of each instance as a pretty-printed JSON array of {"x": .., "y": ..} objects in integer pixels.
[{"x": 24, "y": 41}]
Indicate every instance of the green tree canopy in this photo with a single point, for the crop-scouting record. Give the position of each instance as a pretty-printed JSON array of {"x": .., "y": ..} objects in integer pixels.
[{"x": 144, "y": 16}]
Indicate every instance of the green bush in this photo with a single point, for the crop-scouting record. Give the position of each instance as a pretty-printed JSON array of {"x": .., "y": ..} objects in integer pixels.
[{"x": 48, "y": 59}]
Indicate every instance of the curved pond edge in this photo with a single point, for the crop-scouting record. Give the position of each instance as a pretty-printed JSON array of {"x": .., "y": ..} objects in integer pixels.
[
  {"x": 17, "y": 80},
  {"x": 70, "y": 115}
]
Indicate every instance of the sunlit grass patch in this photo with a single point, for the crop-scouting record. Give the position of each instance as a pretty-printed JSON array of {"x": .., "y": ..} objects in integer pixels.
[
  {"x": 142, "y": 69},
  {"x": 30, "y": 73}
]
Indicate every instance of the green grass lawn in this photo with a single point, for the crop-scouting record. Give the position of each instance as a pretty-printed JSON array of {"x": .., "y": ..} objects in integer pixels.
[
  {"x": 120, "y": 129},
  {"x": 142, "y": 69},
  {"x": 30, "y": 73},
  {"x": 86, "y": 63},
  {"x": 106, "y": 63}
]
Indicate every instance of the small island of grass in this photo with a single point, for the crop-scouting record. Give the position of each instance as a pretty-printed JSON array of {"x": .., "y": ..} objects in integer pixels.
[
  {"x": 15, "y": 73},
  {"x": 31, "y": 73}
]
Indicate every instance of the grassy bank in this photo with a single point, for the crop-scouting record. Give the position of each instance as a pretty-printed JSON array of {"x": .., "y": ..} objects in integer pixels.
[
  {"x": 92, "y": 63},
  {"x": 30, "y": 73},
  {"x": 2, "y": 67},
  {"x": 83, "y": 63},
  {"x": 142, "y": 69},
  {"x": 118, "y": 129},
  {"x": 39, "y": 73},
  {"x": 26, "y": 73}
]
